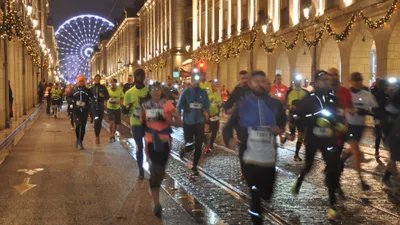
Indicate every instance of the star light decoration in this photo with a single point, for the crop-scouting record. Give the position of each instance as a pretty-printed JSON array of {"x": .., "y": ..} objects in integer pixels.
[{"x": 76, "y": 39}]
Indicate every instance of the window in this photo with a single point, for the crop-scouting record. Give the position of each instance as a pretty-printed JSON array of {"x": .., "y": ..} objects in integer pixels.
[
  {"x": 284, "y": 14},
  {"x": 137, "y": 31}
]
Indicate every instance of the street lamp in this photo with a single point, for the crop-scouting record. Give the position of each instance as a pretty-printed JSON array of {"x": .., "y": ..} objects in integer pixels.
[
  {"x": 29, "y": 9},
  {"x": 187, "y": 48}
]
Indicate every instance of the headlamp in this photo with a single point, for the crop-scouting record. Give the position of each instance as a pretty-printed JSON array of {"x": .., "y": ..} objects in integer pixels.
[
  {"x": 151, "y": 82},
  {"x": 195, "y": 70},
  {"x": 392, "y": 80},
  {"x": 196, "y": 77},
  {"x": 326, "y": 112},
  {"x": 163, "y": 83},
  {"x": 176, "y": 86},
  {"x": 298, "y": 77}
]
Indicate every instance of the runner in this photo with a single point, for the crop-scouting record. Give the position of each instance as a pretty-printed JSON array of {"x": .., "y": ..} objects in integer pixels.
[
  {"x": 279, "y": 90},
  {"x": 81, "y": 97},
  {"x": 195, "y": 105},
  {"x": 224, "y": 94},
  {"x": 114, "y": 107},
  {"x": 130, "y": 83},
  {"x": 307, "y": 86},
  {"x": 70, "y": 103},
  {"x": 132, "y": 101},
  {"x": 100, "y": 95},
  {"x": 47, "y": 96},
  {"x": 363, "y": 102},
  {"x": 215, "y": 108},
  {"x": 295, "y": 95},
  {"x": 259, "y": 118},
  {"x": 158, "y": 114},
  {"x": 170, "y": 92},
  {"x": 56, "y": 98},
  {"x": 238, "y": 92},
  {"x": 379, "y": 91},
  {"x": 318, "y": 113}
]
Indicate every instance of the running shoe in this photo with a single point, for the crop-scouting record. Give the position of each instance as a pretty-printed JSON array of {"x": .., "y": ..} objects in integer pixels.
[
  {"x": 76, "y": 143},
  {"x": 207, "y": 150},
  {"x": 81, "y": 146},
  {"x": 195, "y": 172},
  {"x": 332, "y": 213},
  {"x": 111, "y": 139},
  {"x": 157, "y": 210},
  {"x": 297, "y": 158},
  {"x": 97, "y": 140},
  {"x": 296, "y": 187}
]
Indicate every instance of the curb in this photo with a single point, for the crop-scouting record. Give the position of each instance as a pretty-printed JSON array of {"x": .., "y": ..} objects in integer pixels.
[{"x": 13, "y": 138}]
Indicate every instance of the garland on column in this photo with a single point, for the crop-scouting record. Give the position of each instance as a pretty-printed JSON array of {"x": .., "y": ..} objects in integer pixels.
[
  {"x": 214, "y": 53},
  {"x": 11, "y": 26}
]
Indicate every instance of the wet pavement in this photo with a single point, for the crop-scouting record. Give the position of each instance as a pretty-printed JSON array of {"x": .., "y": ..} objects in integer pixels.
[
  {"x": 376, "y": 206},
  {"x": 45, "y": 180}
]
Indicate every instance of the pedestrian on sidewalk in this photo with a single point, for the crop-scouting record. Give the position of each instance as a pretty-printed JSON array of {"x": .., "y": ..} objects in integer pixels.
[
  {"x": 258, "y": 118},
  {"x": 114, "y": 107},
  {"x": 41, "y": 89},
  {"x": 47, "y": 95},
  {"x": 100, "y": 94},
  {"x": 158, "y": 115},
  {"x": 195, "y": 105},
  {"x": 81, "y": 97},
  {"x": 132, "y": 101}
]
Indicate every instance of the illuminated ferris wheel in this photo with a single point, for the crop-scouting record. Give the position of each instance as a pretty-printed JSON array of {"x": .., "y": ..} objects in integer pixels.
[{"x": 76, "y": 39}]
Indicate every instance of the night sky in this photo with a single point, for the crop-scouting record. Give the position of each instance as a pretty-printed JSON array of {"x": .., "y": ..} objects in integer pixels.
[{"x": 62, "y": 10}]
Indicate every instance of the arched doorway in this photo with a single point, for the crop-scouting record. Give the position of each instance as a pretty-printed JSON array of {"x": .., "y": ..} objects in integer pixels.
[
  {"x": 330, "y": 55},
  {"x": 361, "y": 56},
  {"x": 282, "y": 67},
  {"x": 393, "y": 57},
  {"x": 304, "y": 63}
]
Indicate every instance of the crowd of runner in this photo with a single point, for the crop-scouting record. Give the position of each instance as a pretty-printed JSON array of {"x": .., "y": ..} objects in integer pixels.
[{"x": 325, "y": 114}]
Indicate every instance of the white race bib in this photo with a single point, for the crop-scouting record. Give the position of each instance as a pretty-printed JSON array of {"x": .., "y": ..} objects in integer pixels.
[
  {"x": 154, "y": 113},
  {"x": 214, "y": 118},
  {"x": 323, "y": 131},
  {"x": 260, "y": 147},
  {"x": 80, "y": 104},
  {"x": 196, "y": 105},
  {"x": 112, "y": 100},
  {"x": 137, "y": 112}
]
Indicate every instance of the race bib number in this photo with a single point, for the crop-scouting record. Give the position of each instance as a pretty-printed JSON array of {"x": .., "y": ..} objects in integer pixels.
[
  {"x": 214, "y": 118},
  {"x": 196, "y": 105},
  {"x": 112, "y": 101},
  {"x": 137, "y": 112},
  {"x": 154, "y": 113},
  {"x": 80, "y": 103},
  {"x": 260, "y": 147},
  {"x": 323, "y": 132}
]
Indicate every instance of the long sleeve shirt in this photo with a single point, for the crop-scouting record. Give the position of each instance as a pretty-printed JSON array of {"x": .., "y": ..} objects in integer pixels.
[{"x": 194, "y": 102}]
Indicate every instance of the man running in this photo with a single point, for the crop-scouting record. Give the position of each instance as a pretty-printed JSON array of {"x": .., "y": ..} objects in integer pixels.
[
  {"x": 215, "y": 105},
  {"x": 80, "y": 97},
  {"x": 56, "y": 98},
  {"x": 363, "y": 103},
  {"x": 114, "y": 107},
  {"x": 132, "y": 101},
  {"x": 195, "y": 105},
  {"x": 100, "y": 95},
  {"x": 318, "y": 113},
  {"x": 130, "y": 84},
  {"x": 279, "y": 90},
  {"x": 259, "y": 118},
  {"x": 293, "y": 96},
  {"x": 238, "y": 92},
  {"x": 170, "y": 92}
]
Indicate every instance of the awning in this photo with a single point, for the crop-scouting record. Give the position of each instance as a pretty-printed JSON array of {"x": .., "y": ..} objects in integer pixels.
[{"x": 186, "y": 68}]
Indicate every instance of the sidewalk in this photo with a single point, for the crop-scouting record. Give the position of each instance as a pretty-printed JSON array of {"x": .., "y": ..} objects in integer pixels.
[{"x": 95, "y": 186}]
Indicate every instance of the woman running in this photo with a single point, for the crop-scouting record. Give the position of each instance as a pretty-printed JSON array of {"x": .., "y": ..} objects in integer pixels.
[{"x": 158, "y": 115}]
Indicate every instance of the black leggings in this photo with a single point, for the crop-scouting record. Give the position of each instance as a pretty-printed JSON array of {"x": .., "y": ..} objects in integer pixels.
[
  {"x": 261, "y": 182},
  {"x": 378, "y": 137},
  {"x": 333, "y": 168},
  {"x": 80, "y": 118},
  {"x": 158, "y": 163},
  {"x": 194, "y": 133},
  {"x": 98, "y": 119},
  {"x": 214, "y": 128}
]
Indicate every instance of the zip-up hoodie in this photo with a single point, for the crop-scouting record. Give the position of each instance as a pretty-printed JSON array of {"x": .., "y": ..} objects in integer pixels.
[{"x": 193, "y": 95}]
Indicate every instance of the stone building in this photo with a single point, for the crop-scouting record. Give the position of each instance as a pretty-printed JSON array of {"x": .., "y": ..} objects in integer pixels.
[
  {"x": 373, "y": 52},
  {"x": 165, "y": 28},
  {"x": 18, "y": 65},
  {"x": 118, "y": 52}
]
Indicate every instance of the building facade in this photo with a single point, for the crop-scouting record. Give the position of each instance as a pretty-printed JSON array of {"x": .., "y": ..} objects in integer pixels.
[
  {"x": 293, "y": 37},
  {"x": 118, "y": 54},
  {"x": 24, "y": 56},
  {"x": 165, "y": 28}
]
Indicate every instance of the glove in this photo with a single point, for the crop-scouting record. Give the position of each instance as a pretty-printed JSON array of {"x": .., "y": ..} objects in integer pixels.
[
  {"x": 362, "y": 112},
  {"x": 341, "y": 127},
  {"x": 322, "y": 122}
]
